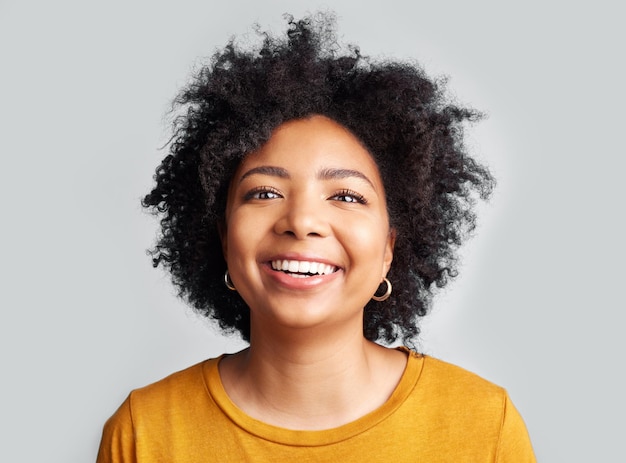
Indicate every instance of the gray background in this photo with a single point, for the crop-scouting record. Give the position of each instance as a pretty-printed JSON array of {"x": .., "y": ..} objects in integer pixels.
[{"x": 538, "y": 307}]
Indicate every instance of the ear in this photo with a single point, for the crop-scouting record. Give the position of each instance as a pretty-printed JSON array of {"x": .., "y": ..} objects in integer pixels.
[{"x": 388, "y": 256}]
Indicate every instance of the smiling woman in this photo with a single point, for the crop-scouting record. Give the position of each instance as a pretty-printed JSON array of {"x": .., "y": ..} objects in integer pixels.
[
  {"x": 309, "y": 197},
  {"x": 301, "y": 184}
]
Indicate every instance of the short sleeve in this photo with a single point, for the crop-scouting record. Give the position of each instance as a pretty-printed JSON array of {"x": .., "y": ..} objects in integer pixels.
[
  {"x": 514, "y": 444},
  {"x": 118, "y": 437}
]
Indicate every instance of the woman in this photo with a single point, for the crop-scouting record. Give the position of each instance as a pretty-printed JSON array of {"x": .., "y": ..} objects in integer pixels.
[{"x": 302, "y": 184}]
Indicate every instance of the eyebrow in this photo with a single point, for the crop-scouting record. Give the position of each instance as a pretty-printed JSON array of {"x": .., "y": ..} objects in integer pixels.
[
  {"x": 266, "y": 170},
  {"x": 324, "y": 174},
  {"x": 331, "y": 174}
]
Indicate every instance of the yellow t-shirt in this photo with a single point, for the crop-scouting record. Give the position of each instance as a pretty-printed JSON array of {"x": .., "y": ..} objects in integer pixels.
[{"x": 438, "y": 413}]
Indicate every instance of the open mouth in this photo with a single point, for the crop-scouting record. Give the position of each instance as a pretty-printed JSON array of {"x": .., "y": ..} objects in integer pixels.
[{"x": 303, "y": 268}]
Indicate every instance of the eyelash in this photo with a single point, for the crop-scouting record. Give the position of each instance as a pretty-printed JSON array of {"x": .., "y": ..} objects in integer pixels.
[
  {"x": 256, "y": 192},
  {"x": 358, "y": 198}
]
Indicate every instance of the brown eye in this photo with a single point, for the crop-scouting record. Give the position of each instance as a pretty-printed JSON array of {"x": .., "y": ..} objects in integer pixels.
[
  {"x": 262, "y": 193},
  {"x": 349, "y": 196}
]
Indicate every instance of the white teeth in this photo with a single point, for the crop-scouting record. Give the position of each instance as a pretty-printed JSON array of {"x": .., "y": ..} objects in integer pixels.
[{"x": 301, "y": 267}]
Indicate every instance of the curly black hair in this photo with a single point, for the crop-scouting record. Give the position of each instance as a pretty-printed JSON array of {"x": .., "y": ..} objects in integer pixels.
[{"x": 404, "y": 118}]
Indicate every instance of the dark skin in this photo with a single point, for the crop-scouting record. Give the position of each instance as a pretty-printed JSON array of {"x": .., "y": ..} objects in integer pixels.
[{"x": 309, "y": 366}]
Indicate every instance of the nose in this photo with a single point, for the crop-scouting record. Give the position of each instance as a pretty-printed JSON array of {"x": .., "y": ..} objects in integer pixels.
[{"x": 303, "y": 217}]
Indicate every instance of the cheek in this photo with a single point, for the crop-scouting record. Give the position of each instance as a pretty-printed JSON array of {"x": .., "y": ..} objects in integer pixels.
[
  {"x": 368, "y": 240},
  {"x": 237, "y": 254},
  {"x": 237, "y": 231},
  {"x": 246, "y": 232}
]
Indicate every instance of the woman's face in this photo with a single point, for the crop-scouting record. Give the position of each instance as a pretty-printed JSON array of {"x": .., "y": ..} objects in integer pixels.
[{"x": 307, "y": 238}]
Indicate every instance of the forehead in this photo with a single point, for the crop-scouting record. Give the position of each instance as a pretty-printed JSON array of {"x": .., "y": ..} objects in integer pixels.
[{"x": 310, "y": 144}]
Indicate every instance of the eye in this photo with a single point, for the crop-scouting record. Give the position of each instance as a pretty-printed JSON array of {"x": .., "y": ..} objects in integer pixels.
[
  {"x": 262, "y": 193},
  {"x": 349, "y": 196}
]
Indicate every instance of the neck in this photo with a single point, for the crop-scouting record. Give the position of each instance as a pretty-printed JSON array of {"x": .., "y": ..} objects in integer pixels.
[
  {"x": 311, "y": 380},
  {"x": 307, "y": 348}
]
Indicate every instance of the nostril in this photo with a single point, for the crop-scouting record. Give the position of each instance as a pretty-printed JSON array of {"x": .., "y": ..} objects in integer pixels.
[{"x": 302, "y": 221}]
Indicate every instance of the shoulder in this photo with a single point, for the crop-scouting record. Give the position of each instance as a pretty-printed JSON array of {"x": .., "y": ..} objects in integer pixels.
[
  {"x": 154, "y": 413},
  {"x": 469, "y": 410},
  {"x": 458, "y": 398},
  {"x": 186, "y": 386},
  {"x": 452, "y": 379},
  {"x": 183, "y": 392},
  {"x": 162, "y": 418}
]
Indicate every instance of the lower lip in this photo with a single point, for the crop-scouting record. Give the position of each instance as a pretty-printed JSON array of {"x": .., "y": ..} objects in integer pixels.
[{"x": 290, "y": 282}]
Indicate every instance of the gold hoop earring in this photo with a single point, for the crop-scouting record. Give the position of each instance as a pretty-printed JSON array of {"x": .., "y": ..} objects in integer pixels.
[
  {"x": 385, "y": 296},
  {"x": 228, "y": 282}
]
